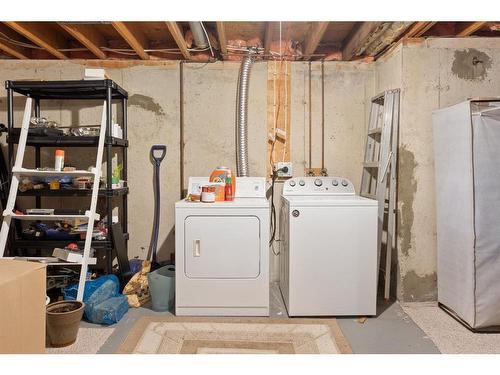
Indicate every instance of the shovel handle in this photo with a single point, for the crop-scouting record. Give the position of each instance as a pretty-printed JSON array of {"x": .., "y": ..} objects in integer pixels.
[{"x": 162, "y": 149}]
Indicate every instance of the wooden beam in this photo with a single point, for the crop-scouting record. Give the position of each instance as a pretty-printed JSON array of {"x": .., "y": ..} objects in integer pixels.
[
  {"x": 470, "y": 28},
  {"x": 357, "y": 38},
  {"x": 134, "y": 38},
  {"x": 41, "y": 35},
  {"x": 11, "y": 48},
  {"x": 178, "y": 36},
  {"x": 221, "y": 31},
  {"x": 88, "y": 36},
  {"x": 418, "y": 29},
  {"x": 314, "y": 36},
  {"x": 268, "y": 38}
]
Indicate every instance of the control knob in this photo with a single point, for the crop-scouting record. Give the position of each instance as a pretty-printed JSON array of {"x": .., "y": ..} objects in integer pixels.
[
  {"x": 335, "y": 183},
  {"x": 292, "y": 183},
  {"x": 318, "y": 182},
  {"x": 302, "y": 182},
  {"x": 344, "y": 183}
]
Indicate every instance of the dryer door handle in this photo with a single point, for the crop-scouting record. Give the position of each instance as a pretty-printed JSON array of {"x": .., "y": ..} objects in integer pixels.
[{"x": 196, "y": 248}]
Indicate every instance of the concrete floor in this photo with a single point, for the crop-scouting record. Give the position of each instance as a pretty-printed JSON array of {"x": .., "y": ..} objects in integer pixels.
[{"x": 392, "y": 331}]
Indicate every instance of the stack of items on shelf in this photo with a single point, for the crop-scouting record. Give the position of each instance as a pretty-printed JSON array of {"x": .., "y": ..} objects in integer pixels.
[
  {"x": 67, "y": 182},
  {"x": 71, "y": 230},
  {"x": 41, "y": 126}
]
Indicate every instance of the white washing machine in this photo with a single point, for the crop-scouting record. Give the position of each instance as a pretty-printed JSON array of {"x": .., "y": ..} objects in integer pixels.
[
  {"x": 328, "y": 252},
  {"x": 222, "y": 253}
]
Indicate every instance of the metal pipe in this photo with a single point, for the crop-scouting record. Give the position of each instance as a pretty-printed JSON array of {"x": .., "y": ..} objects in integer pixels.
[
  {"x": 242, "y": 117},
  {"x": 181, "y": 127},
  {"x": 323, "y": 171},
  {"x": 310, "y": 117},
  {"x": 200, "y": 39}
]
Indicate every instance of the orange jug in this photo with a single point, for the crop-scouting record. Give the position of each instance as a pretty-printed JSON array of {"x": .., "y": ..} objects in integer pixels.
[{"x": 220, "y": 174}]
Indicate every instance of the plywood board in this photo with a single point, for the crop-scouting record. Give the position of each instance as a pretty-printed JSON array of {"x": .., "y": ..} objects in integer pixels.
[{"x": 278, "y": 112}]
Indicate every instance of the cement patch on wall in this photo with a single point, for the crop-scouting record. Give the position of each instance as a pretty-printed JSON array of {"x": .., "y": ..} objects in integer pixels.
[
  {"x": 407, "y": 190},
  {"x": 147, "y": 103},
  {"x": 471, "y": 64},
  {"x": 419, "y": 288}
]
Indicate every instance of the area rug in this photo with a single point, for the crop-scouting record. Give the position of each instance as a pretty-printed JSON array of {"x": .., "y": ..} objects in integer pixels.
[{"x": 214, "y": 335}]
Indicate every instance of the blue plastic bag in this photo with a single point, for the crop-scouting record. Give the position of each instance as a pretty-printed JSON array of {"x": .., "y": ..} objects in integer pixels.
[
  {"x": 91, "y": 286},
  {"x": 108, "y": 312},
  {"x": 103, "y": 302}
]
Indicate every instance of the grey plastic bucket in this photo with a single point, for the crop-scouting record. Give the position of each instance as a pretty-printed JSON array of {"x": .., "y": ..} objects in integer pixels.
[{"x": 162, "y": 287}]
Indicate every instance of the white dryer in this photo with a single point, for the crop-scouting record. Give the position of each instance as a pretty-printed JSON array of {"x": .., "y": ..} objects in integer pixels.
[
  {"x": 328, "y": 252},
  {"x": 222, "y": 253}
]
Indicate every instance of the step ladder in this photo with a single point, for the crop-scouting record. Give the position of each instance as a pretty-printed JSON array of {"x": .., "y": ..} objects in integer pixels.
[
  {"x": 90, "y": 215},
  {"x": 379, "y": 177}
]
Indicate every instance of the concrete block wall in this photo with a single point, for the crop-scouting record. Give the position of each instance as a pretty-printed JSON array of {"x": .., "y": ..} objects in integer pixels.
[
  {"x": 209, "y": 118},
  {"x": 432, "y": 74}
]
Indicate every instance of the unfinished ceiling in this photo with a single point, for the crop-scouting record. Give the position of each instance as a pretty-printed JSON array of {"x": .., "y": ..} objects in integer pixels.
[{"x": 225, "y": 40}]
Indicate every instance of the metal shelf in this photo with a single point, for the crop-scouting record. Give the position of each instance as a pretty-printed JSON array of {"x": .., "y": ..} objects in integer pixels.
[
  {"x": 40, "y": 91},
  {"x": 73, "y": 192},
  {"x": 64, "y": 140},
  {"x": 50, "y": 243},
  {"x": 51, "y": 261},
  {"x": 78, "y": 89},
  {"x": 48, "y": 173}
]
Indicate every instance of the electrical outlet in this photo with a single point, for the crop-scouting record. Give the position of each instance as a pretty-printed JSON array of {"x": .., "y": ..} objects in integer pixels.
[{"x": 278, "y": 166}]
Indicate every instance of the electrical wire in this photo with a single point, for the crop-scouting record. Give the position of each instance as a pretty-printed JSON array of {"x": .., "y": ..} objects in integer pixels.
[
  {"x": 208, "y": 39},
  {"x": 123, "y": 51},
  {"x": 273, "y": 211}
]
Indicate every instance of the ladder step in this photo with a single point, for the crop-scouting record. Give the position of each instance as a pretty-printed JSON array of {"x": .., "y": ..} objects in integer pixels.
[
  {"x": 36, "y": 172},
  {"x": 52, "y": 261},
  {"x": 370, "y": 164},
  {"x": 48, "y": 217}
]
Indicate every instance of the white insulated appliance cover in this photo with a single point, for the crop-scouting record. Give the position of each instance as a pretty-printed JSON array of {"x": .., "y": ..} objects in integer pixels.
[{"x": 467, "y": 169}]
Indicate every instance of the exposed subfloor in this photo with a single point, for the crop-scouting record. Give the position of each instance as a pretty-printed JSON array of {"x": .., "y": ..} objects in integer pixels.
[{"x": 392, "y": 331}]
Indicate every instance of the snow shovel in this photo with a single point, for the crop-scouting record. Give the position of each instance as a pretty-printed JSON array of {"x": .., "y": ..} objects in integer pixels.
[{"x": 162, "y": 149}]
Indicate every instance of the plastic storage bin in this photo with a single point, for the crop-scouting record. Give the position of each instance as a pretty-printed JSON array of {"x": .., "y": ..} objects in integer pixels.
[{"x": 162, "y": 287}]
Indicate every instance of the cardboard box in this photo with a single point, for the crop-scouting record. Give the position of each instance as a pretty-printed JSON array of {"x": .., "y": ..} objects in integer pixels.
[{"x": 22, "y": 306}]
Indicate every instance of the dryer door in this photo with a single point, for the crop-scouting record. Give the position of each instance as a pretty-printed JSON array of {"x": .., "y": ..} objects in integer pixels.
[{"x": 222, "y": 247}]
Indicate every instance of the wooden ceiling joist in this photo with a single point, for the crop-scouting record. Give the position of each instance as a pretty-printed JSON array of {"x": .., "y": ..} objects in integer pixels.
[
  {"x": 88, "y": 36},
  {"x": 14, "y": 51},
  {"x": 268, "y": 38},
  {"x": 221, "y": 32},
  {"x": 314, "y": 37},
  {"x": 178, "y": 36},
  {"x": 358, "y": 38},
  {"x": 41, "y": 36},
  {"x": 134, "y": 38},
  {"x": 470, "y": 28},
  {"x": 418, "y": 29}
]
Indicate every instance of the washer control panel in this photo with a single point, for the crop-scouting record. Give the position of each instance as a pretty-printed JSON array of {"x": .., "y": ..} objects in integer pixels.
[{"x": 318, "y": 186}]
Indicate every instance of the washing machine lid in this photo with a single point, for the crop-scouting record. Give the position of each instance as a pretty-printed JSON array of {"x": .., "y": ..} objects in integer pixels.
[
  {"x": 237, "y": 203},
  {"x": 329, "y": 201}
]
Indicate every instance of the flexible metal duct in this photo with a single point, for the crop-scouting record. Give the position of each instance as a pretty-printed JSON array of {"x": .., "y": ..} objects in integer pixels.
[
  {"x": 200, "y": 39},
  {"x": 242, "y": 117}
]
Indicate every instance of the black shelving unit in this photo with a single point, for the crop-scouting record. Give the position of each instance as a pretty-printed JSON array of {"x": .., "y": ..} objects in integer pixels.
[{"x": 40, "y": 91}]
